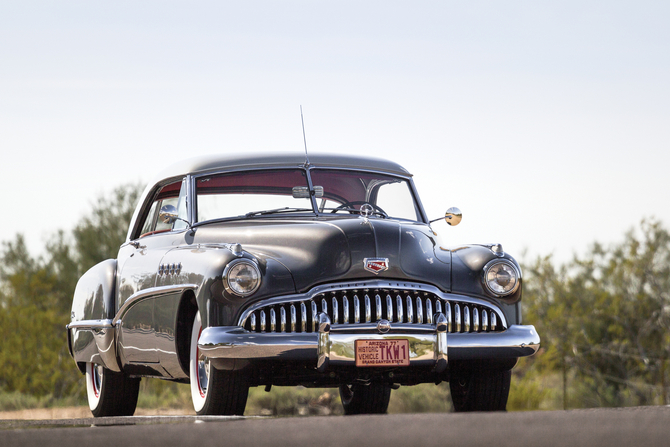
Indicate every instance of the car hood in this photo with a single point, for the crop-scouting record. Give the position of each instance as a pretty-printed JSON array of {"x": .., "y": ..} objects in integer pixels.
[{"x": 321, "y": 250}]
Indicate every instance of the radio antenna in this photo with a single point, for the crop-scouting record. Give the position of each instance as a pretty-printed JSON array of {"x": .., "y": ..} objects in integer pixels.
[{"x": 303, "y": 137}]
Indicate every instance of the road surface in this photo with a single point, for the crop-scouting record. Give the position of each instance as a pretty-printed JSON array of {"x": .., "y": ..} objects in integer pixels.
[{"x": 643, "y": 426}]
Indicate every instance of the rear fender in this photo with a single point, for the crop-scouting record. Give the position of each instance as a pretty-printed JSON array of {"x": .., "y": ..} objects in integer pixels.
[{"x": 91, "y": 332}]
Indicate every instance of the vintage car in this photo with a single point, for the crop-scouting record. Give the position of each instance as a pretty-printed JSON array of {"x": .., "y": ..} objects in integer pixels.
[{"x": 284, "y": 269}]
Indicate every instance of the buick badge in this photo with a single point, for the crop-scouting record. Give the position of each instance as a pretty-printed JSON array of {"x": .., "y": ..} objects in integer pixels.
[{"x": 376, "y": 265}]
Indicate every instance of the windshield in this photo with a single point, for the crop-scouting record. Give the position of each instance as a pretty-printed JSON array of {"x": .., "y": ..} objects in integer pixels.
[
  {"x": 279, "y": 191},
  {"x": 347, "y": 191},
  {"x": 247, "y": 193}
]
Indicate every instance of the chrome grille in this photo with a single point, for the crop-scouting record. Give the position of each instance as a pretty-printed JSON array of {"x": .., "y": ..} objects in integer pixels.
[{"x": 366, "y": 306}]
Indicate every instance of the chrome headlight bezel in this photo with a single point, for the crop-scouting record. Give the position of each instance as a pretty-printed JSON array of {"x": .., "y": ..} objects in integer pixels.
[
  {"x": 232, "y": 273},
  {"x": 498, "y": 289}
]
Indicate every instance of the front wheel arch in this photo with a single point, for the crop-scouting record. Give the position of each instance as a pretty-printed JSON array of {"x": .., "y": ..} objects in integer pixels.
[{"x": 186, "y": 312}]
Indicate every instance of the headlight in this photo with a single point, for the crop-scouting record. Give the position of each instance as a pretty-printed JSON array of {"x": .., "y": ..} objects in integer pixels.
[
  {"x": 501, "y": 277},
  {"x": 241, "y": 277}
]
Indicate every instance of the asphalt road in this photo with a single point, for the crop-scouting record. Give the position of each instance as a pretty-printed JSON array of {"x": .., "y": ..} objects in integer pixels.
[{"x": 643, "y": 426}]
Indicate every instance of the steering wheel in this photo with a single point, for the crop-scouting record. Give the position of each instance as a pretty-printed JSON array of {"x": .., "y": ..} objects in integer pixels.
[{"x": 350, "y": 205}]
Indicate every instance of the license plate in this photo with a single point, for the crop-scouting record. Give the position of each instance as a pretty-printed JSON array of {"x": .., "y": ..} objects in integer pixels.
[{"x": 382, "y": 352}]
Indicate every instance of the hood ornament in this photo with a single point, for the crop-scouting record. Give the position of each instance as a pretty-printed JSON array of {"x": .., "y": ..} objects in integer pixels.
[{"x": 376, "y": 265}]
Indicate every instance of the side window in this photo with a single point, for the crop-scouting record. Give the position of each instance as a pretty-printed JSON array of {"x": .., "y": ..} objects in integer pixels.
[
  {"x": 167, "y": 195},
  {"x": 182, "y": 209}
]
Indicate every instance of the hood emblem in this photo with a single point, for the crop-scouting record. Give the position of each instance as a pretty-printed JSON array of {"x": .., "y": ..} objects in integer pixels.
[{"x": 376, "y": 265}]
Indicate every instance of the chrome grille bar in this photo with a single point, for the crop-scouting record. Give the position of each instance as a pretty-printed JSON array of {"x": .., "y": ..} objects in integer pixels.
[
  {"x": 447, "y": 311},
  {"x": 336, "y": 311},
  {"x": 282, "y": 319},
  {"x": 410, "y": 310},
  {"x": 429, "y": 312},
  {"x": 368, "y": 309},
  {"x": 419, "y": 310},
  {"x": 485, "y": 321},
  {"x": 401, "y": 315},
  {"x": 457, "y": 317},
  {"x": 345, "y": 310},
  {"x": 389, "y": 307},
  {"x": 357, "y": 310},
  {"x": 378, "y": 307},
  {"x": 466, "y": 319},
  {"x": 303, "y": 317},
  {"x": 314, "y": 316},
  {"x": 273, "y": 320}
]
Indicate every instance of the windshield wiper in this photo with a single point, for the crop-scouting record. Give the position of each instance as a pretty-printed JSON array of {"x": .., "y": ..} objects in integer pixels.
[{"x": 277, "y": 210}]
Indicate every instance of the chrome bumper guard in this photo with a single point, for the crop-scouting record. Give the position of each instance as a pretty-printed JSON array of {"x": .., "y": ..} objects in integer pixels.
[{"x": 334, "y": 345}]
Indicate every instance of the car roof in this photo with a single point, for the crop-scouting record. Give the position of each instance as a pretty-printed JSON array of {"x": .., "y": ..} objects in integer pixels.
[{"x": 211, "y": 163}]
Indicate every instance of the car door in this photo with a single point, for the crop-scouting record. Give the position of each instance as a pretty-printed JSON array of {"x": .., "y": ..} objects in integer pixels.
[{"x": 138, "y": 263}]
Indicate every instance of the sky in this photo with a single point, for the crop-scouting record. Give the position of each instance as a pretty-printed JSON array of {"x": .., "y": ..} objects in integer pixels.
[{"x": 546, "y": 123}]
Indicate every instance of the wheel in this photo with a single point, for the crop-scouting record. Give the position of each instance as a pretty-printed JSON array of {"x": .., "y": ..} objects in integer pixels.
[
  {"x": 365, "y": 399},
  {"x": 349, "y": 206},
  {"x": 480, "y": 391},
  {"x": 110, "y": 393},
  {"x": 214, "y": 392}
]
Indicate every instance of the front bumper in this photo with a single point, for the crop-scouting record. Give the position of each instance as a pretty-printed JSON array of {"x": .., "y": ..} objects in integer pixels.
[{"x": 430, "y": 345}]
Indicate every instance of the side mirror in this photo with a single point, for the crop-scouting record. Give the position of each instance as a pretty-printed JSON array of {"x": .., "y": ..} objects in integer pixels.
[
  {"x": 168, "y": 214},
  {"x": 453, "y": 216}
]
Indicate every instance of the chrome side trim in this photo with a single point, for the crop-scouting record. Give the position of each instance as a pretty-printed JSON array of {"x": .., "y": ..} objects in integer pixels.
[{"x": 90, "y": 324}]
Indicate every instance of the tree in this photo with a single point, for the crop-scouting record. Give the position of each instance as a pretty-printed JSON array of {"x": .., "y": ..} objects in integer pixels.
[
  {"x": 604, "y": 320},
  {"x": 36, "y": 297}
]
